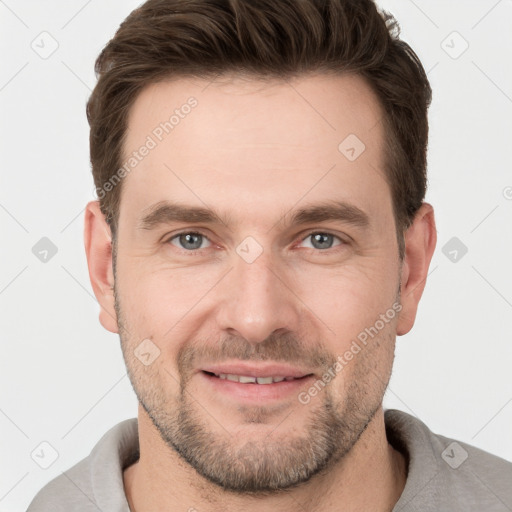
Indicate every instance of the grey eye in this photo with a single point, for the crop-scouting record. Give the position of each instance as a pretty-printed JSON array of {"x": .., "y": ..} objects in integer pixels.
[
  {"x": 322, "y": 240},
  {"x": 188, "y": 241}
]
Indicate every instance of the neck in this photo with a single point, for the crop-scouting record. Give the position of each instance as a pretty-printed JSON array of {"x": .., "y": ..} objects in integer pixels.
[{"x": 370, "y": 477}]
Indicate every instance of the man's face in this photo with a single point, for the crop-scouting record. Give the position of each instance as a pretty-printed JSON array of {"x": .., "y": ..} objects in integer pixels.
[{"x": 259, "y": 293}]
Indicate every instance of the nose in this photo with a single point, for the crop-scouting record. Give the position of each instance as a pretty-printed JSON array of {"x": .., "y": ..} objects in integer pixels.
[{"x": 258, "y": 300}]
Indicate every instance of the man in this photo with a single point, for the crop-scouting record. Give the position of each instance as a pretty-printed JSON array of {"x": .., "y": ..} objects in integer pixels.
[{"x": 259, "y": 241}]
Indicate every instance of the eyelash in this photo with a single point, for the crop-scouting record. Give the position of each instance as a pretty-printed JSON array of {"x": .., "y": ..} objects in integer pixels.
[{"x": 195, "y": 251}]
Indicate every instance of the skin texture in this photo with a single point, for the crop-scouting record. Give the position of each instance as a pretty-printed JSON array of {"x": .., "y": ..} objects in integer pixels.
[{"x": 255, "y": 152}]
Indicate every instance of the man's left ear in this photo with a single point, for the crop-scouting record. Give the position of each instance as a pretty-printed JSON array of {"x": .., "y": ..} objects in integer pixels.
[{"x": 420, "y": 242}]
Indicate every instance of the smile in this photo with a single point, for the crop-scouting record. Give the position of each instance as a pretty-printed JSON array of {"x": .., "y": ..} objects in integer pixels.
[{"x": 246, "y": 379}]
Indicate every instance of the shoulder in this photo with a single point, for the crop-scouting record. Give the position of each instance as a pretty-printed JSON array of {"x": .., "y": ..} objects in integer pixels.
[
  {"x": 95, "y": 483},
  {"x": 66, "y": 491},
  {"x": 446, "y": 474}
]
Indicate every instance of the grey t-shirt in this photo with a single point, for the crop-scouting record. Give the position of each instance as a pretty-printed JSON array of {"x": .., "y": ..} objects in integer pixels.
[{"x": 443, "y": 475}]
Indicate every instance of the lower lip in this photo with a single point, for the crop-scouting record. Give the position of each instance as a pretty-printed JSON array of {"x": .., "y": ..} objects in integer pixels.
[{"x": 257, "y": 392}]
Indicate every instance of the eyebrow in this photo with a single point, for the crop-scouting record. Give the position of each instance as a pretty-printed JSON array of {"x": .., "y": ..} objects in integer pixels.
[{"x": 166, "y": 212}]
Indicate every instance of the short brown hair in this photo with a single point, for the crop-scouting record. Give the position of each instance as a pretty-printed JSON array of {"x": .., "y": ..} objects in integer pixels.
[{"x": 266, "y": 38}]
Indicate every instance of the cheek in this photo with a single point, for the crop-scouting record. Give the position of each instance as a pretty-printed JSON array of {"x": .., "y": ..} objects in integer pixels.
[
  {"x": 342, "y": 300},
  {"x": 351, "y": 298},
  {"x": 165, "y": 305},
  {"x": 155, "y": 301}
]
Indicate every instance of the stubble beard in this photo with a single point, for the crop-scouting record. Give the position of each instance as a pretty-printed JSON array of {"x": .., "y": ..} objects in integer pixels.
[{"x": 275, "y": 462}]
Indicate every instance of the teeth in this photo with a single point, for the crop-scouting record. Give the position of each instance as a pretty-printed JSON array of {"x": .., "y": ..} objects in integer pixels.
[
  {"x": 245, "y": 379},
  {"x": 264, "y": 380}
]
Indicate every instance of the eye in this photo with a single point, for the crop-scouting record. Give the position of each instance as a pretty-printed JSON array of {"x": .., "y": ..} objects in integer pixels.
[
  {"x": 322, "y": 241},
  {"x": 190, "y": 241}
]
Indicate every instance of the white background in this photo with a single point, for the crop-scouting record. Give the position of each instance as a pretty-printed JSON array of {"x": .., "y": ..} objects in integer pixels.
[{"x": 62, "y": 377}]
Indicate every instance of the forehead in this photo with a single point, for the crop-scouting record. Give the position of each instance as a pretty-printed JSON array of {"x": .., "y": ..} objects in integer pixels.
[
  {"x": 254, "y": 141},
  {"x": 252, "y": 111}
]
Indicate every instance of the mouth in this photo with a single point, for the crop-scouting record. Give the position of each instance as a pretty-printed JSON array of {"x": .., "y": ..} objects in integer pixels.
[
  {"x": 255, "y": 384},
  {"x": 248, "y": 379}
]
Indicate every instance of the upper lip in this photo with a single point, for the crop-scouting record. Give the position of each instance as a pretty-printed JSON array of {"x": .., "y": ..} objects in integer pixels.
[{"x": 257, "y": 370}]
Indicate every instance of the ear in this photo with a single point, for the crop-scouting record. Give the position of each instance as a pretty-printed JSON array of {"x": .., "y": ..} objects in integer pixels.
[
  {"x": 98, "y": 248},
  {"x": 420, "y": 242}
]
